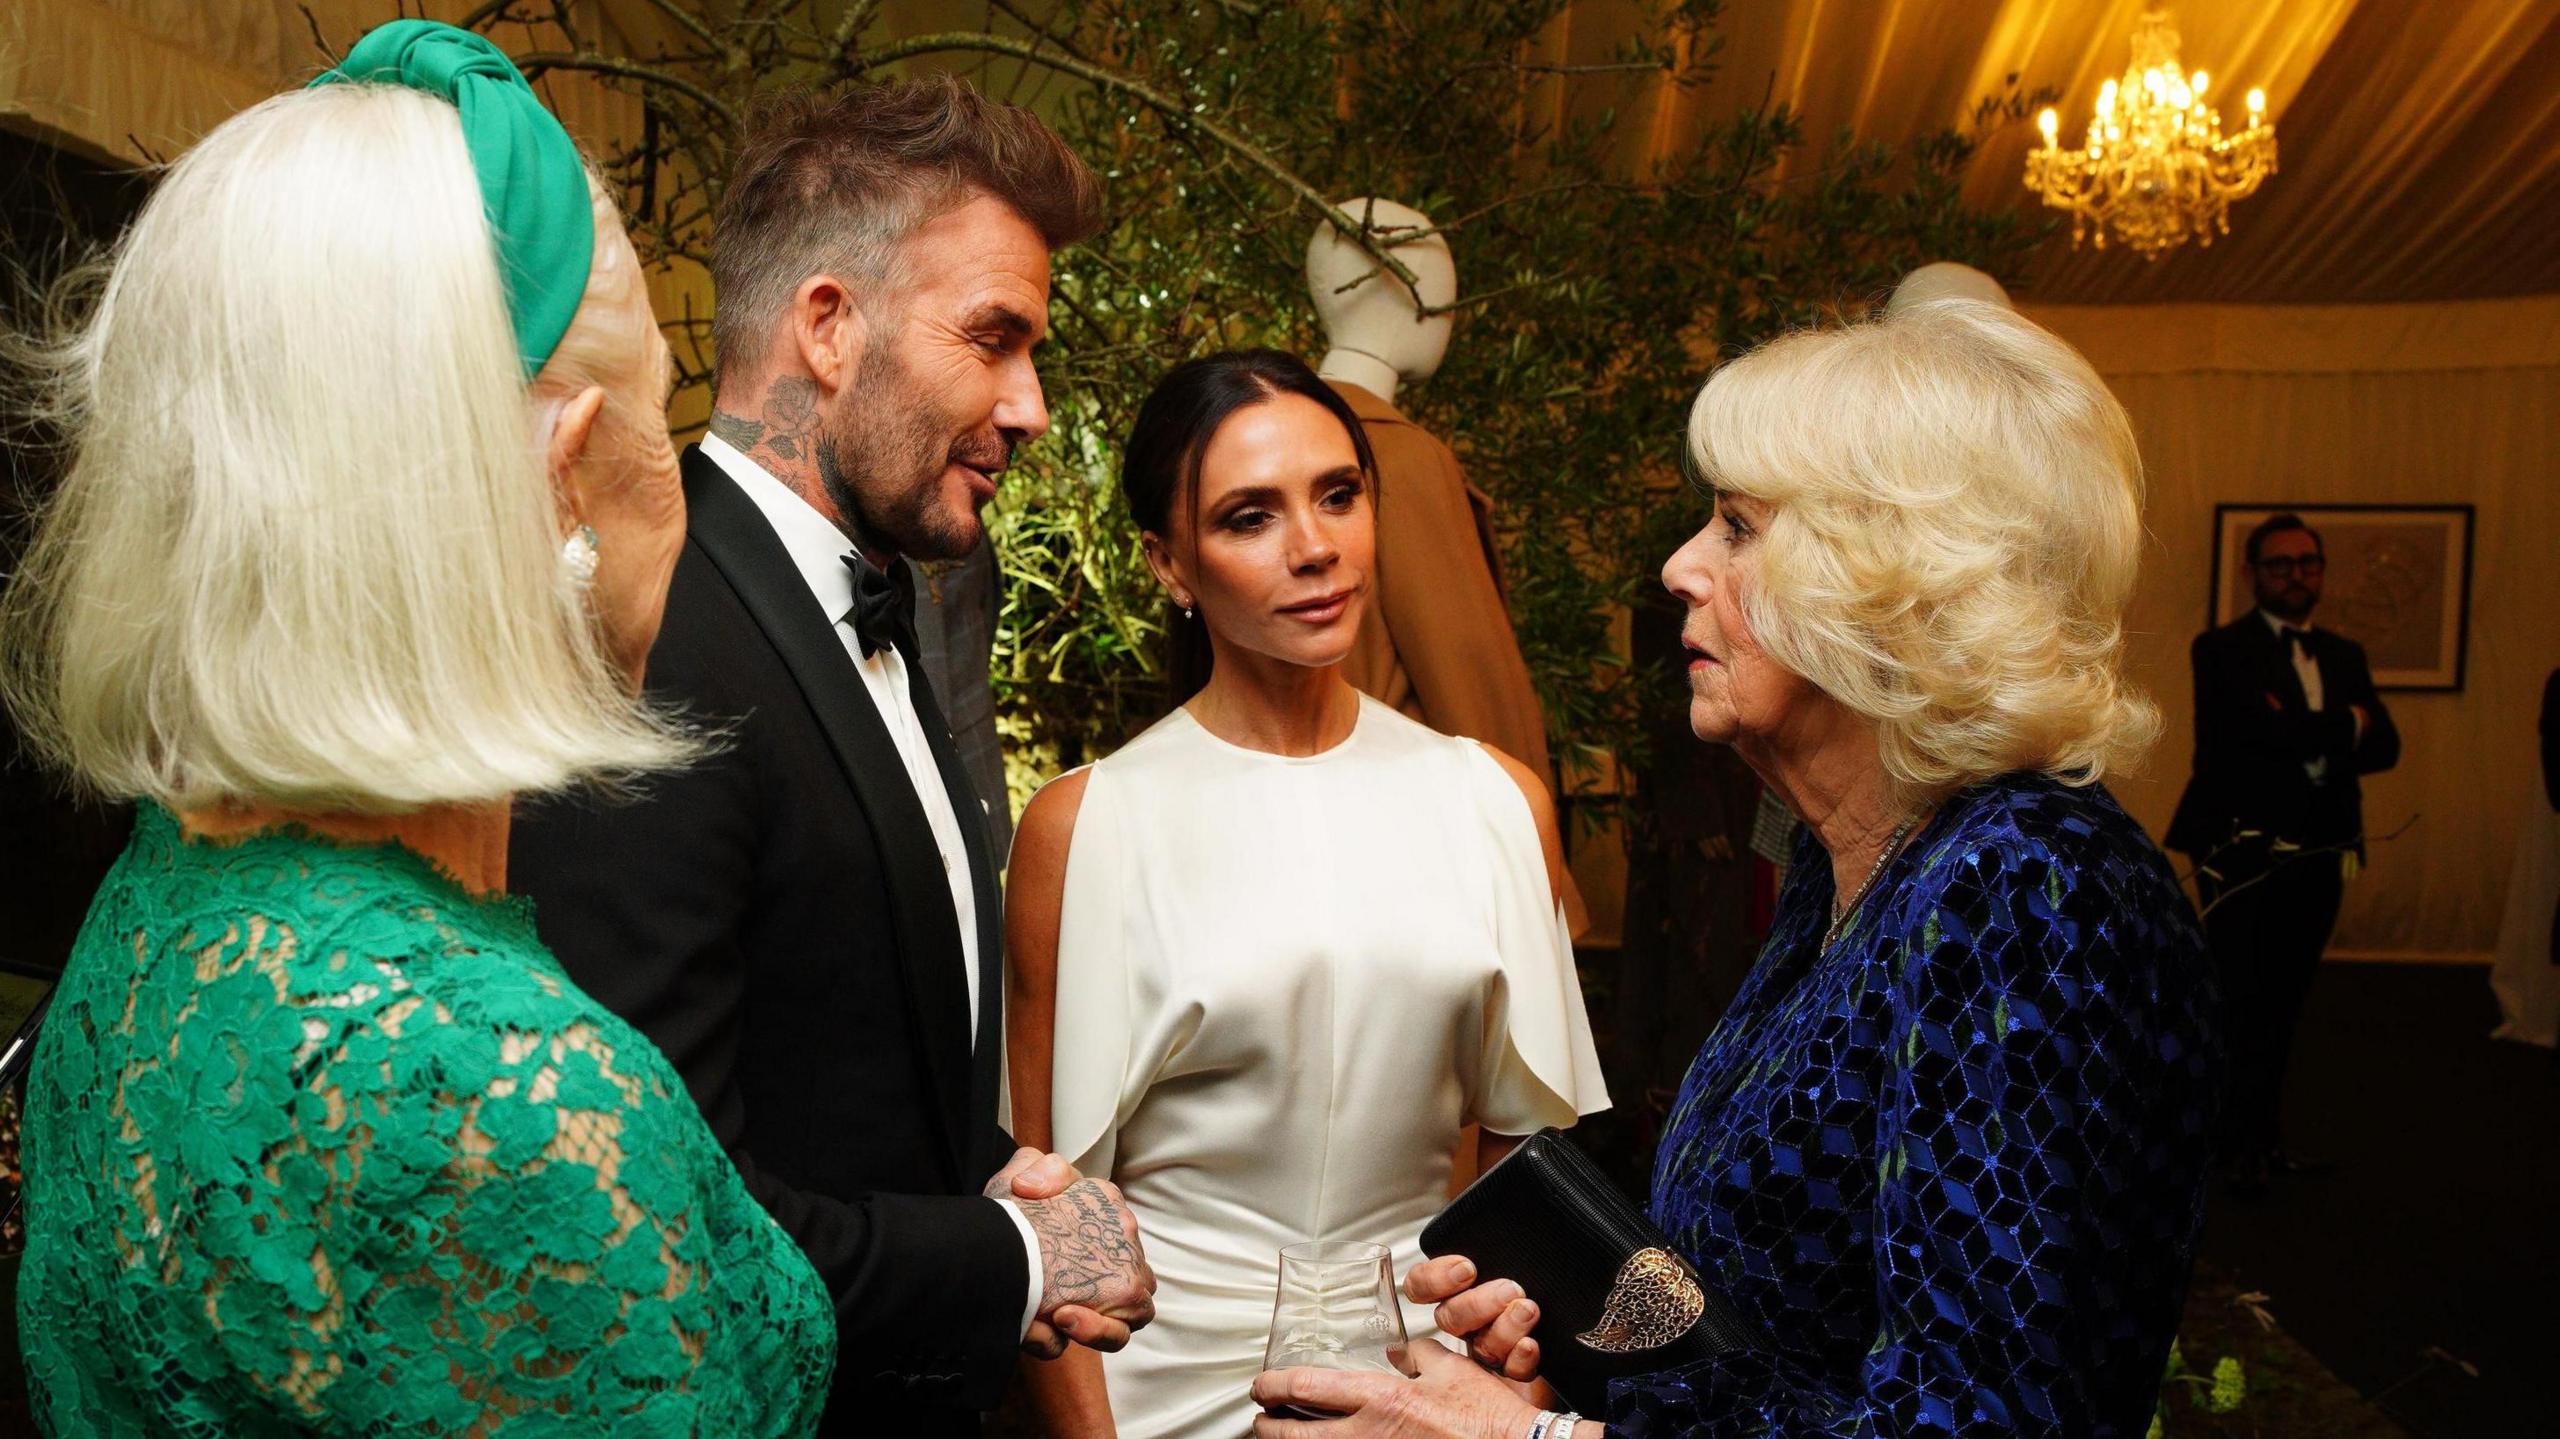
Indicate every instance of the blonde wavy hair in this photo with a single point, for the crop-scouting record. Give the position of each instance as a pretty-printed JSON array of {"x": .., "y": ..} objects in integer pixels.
[
  {"x": 306, "y": 552},
  {"x": 1956, "y": 520}
]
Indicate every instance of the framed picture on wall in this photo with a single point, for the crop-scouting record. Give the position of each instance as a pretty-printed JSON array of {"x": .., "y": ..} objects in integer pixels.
[{"x": 2398, "y": 583}]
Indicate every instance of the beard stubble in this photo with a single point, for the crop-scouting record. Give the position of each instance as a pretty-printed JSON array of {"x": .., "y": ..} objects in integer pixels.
[{"x": 882, "y": 464}]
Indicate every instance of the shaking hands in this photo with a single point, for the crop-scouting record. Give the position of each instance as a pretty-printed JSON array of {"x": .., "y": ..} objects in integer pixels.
[{"x": 1096, "y": 1288}]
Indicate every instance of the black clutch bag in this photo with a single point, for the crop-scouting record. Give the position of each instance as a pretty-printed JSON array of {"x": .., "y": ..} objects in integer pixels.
[{"x": 1614, "y": 1300}]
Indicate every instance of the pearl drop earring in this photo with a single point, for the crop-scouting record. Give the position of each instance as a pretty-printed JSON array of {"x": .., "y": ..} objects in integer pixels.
[{"x": 578, "y": 557}]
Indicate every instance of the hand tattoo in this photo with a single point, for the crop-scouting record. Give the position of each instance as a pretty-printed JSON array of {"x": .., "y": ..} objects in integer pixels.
[{"x": 1088, "y": 1253}]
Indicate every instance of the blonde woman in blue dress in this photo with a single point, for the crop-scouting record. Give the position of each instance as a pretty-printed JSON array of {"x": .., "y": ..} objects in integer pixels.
[{"x": 1272, "y": 957}]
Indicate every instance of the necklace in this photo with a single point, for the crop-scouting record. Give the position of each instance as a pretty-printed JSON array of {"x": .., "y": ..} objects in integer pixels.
[{"x": 1840, "y": 915}]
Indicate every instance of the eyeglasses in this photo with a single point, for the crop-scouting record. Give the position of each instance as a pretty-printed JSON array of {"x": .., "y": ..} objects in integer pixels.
[{"x": 2285, "y": 567}]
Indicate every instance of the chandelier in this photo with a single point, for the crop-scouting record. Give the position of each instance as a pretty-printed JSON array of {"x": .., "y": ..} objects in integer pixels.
[{"x": 2156, "y": 169}]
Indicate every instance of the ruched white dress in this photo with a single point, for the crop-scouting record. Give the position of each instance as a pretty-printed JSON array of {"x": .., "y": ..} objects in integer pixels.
[{"x": 1284, "y": 986}]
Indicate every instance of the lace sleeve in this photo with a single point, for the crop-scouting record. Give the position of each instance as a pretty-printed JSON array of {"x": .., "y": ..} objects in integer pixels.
[
  {"x": 319, "y": 1143},
  {"x": 470, "y": 1219}
]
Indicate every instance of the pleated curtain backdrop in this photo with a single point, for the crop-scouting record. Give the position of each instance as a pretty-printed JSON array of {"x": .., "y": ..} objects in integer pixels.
[{"x": 2396, "y": 404}]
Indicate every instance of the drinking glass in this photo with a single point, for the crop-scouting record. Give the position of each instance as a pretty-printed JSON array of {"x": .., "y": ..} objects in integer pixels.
[{"x": 1336, "y": 1309}]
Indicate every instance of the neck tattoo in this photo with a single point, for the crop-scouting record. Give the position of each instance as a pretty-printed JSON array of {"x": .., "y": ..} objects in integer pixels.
[{"x": 784, "y": 446}]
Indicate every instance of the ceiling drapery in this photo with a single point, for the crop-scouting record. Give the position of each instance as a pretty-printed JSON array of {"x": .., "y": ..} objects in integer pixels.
[{"x": 2420, "y": 138}]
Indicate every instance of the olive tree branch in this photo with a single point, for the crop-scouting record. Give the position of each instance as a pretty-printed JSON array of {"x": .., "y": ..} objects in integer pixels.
[
  {"x": 490, "y": 13},
  {"x": 319, "y": 42},
  {"x": 690, "y": 21},
  {"x": 1169, "y": 107},
  {"x": 857, "y": 18},
  {"x": 540, "y": 64},
  {"x": 1041, "y": 30}
]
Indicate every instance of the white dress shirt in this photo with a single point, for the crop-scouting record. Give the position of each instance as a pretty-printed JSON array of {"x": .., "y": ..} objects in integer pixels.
[
  {"x": 2314, "y": 693},
  {"x": 2305, "y": 667},
  {"x": 817, "y": 549}
]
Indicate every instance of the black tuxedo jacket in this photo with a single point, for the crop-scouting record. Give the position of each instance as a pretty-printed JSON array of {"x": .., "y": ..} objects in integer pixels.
[
  {"x": 777, "y": 920},
  {"x": 2255, "y": 731}
]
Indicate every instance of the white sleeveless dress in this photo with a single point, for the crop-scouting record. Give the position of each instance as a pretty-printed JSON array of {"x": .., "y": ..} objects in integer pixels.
[{"x": 1284, "y": 986}]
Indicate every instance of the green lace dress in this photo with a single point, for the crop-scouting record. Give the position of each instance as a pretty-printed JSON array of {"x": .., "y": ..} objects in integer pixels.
[{"x": 317, "y": 1142}]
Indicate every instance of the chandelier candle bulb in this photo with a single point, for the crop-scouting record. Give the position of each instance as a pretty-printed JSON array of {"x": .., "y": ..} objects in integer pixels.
[{"x": 2155, "y": 170}]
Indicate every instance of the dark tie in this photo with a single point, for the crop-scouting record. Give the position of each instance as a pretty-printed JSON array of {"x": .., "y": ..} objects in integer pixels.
[
  {"x": 2301, "y": 642},
  {"x": 883, "y": 604}
]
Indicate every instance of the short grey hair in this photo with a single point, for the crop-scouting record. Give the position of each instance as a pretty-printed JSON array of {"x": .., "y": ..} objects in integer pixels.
[
  {"x": 306, "y": 553},
  {"x": 835, "y": 184}
]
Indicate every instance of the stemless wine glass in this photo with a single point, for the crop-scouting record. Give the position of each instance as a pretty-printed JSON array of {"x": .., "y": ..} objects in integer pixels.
[{"x": 1336, "y": 1309}]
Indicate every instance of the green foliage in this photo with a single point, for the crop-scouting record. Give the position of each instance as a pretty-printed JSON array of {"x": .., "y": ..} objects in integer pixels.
[
  {"x": 1599, "y": 283},
  {"x": 2230, "y": 1386},
  {"x": 2223, "y": 1392},
  {"x": 1594, "y": 299}
]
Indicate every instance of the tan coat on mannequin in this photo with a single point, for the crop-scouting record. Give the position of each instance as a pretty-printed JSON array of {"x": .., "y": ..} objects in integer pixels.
[{"x": 1437, "y": 642}]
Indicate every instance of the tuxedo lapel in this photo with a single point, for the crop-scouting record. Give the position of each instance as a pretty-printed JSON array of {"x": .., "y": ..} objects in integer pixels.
[
  {"x": 965, "y": 801},
  {"x": 733, "y": 534}
]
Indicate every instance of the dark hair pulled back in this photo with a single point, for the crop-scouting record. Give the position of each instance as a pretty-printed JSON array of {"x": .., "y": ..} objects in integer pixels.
[{"x": 1160, "y": 466}]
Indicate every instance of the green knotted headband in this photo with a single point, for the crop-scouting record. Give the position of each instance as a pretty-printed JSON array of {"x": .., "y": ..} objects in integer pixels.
[{"x": 532, "y": 183}]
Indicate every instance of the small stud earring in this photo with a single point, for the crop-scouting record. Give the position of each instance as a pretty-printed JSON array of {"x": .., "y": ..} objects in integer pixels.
[{"x": 578, "y": 557}]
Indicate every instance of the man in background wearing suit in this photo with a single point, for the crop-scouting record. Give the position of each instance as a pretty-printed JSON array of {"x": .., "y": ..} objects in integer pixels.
[
  {"x": 808, "y": 923},
  {"x": 2287, "y": 723}
]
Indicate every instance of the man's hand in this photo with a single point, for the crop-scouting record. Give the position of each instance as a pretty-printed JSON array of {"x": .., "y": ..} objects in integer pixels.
[
  {"x": 1031, "y": 1174},
  {"x": 1096, "y": 1288}
]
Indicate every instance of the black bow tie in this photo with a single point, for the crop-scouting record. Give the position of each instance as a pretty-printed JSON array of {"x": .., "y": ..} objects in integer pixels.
[
  {"x": 2299, "y": 639},
  {"x": 883, "y": 604}
]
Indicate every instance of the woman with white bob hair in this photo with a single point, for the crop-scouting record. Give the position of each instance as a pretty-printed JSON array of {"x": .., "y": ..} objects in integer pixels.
[
  {"x": 1947, "y": 1148},
  {"x": 368, "y": 528}
]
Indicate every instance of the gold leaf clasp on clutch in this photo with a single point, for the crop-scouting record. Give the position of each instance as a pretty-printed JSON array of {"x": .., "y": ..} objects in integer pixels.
[{"x": 1653, "y": 1302}]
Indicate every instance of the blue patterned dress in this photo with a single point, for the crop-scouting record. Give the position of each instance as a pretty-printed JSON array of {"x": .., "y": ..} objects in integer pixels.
[{"x": 1956, "y": 1165}]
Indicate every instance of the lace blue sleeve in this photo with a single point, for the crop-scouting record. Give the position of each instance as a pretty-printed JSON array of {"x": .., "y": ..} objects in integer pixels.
[{"x": 1957, "y": 1166}]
